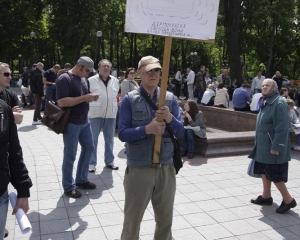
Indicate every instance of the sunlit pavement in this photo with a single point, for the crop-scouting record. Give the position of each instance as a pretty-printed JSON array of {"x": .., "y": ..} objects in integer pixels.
[{"x": 212, "y": 198}]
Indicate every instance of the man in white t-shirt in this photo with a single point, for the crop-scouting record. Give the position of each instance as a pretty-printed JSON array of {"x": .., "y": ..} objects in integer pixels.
[
  {"x": 190, "y": 82},
  {"x": 207, "y": 96},
  {"x": 254, "y": 102}
]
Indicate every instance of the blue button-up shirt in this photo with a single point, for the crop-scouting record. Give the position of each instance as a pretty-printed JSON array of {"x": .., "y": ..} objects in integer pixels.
[{"x": 129, "y": 134}]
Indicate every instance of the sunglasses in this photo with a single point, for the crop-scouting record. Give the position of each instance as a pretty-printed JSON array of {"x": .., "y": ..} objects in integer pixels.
[
  {"x": 6, "y": 74},
  {"x": 131, "y": 72},
  {"x": 155, "y": 70}
]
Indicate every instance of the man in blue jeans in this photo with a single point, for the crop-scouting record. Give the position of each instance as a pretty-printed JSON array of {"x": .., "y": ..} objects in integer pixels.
[
  {"x": 72, "y": 92},
  {"x": 12, "y": 166},
  {"x": 103, "y": 112},
  {"x": 49, "y": 79}
]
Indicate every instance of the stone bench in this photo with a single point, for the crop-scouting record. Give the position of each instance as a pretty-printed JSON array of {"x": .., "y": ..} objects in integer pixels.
[
  {"x": 225, "y": 144},
  {"x": 235, "y": 136}
]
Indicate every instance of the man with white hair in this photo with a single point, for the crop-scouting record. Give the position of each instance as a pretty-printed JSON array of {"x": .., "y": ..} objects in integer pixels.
[{"x": 103, "y": 112}]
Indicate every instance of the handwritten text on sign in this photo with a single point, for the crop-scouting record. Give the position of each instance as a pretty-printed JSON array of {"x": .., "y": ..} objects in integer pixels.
[{"x": 193, "y": 19}]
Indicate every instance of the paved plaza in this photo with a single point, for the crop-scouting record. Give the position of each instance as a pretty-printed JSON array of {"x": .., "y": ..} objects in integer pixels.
[{"x": 212, "y": 198}]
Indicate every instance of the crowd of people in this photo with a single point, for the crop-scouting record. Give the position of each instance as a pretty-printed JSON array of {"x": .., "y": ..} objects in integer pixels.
[{"x": 92, "y": 97}]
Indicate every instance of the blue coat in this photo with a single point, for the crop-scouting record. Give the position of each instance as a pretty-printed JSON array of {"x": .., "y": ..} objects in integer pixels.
[{"x": 272, "y": 132}]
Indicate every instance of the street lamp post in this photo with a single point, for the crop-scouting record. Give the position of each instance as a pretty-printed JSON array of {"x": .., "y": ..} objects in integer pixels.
[
  {"x": 193, "y": 54},
  {"x": 99, "y": 35},
  {"x": 20, "y": 56},
  {"x": 32, "y": 35}
]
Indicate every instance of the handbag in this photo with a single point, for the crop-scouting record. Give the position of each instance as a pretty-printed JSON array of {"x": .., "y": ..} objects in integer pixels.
[
  {"x": 55, "y": 117},
  {"x": 177, "y": 161},
  {"x": 250, "y": 170}
]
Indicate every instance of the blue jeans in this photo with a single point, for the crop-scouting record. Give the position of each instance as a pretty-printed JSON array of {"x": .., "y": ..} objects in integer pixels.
[
  {"x": 3, "y": 212},
  {"x": 297, "y": 143},
  {"x": 200, "y": 95},
  {"x": 109, "y": 127},
  {"x": 49, "y": 92},
  {"x": 188, "y": 141},
  {"x": 82, "y": 134}
]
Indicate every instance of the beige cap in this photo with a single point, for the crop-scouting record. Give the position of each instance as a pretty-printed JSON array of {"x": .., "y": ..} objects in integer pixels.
[{"x": 149, "y": 63}]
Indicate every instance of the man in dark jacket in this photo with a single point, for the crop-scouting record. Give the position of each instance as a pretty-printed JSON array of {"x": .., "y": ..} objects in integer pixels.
[
  {"x": 12, "y": 167},
  {"x": 278, "y": 79},
  {"x": 37, "y": 88}
]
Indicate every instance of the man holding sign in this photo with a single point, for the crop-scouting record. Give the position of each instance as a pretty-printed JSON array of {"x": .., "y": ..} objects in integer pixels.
[{"x": 145, "y": 180}]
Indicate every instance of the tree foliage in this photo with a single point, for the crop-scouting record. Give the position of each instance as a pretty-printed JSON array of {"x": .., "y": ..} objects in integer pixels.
[{"x": 250, "y": 35}]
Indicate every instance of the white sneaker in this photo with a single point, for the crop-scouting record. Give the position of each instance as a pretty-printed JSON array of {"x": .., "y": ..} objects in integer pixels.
[
  {"x": 297, "y": 148},
  {"x": 92, "y": 168},
  {"x": 38, "y": 122}
]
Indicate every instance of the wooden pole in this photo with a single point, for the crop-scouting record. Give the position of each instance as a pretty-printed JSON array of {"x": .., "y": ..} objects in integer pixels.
[{"x": 163, "y": 91}]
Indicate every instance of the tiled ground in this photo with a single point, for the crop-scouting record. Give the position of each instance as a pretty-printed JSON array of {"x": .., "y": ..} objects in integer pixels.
[{"x": 212, "y": 199}]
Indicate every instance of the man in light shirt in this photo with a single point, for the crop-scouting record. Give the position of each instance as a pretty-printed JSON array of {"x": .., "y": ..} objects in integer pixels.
[
  {"x": 190, "y": 82},
  {"x": 257, "y": 82}
]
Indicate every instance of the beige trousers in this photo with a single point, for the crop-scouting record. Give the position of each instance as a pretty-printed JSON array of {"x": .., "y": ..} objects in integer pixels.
[
  {"x": 191, "y": 91},
  {"x": 142, "y": 185}
]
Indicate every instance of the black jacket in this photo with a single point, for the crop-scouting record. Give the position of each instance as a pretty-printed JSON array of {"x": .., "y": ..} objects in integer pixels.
[
  {"x": 36, "y": 82},
  {"x": 12, "y": 167}
]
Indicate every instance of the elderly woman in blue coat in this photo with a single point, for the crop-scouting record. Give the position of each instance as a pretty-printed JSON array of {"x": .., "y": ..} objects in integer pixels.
[{"x": 272, "y": 146}]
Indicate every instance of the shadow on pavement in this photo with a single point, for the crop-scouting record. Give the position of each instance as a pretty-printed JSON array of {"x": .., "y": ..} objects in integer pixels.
[
  {"x": 27, "y": 128},
  {"x": 122, "y": 154}
]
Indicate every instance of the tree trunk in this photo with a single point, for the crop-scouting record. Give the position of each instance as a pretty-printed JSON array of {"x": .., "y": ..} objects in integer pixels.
[
  {"x": 131, "y": 49},
  {"x": 271, "y": 44},
  {"x": 232, "y": 12}
]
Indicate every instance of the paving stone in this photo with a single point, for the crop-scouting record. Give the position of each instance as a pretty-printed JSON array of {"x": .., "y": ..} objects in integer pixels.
[
  {"x": 187, "y": 208},
  {"x": 214, "y": 231},
  {"x": 113, "y": 232},
  {"x": 284, "y": 219},
  {"x": 239, "y": 227},
  {"x": 84, "y": 222},
  {"x": 180, "y": 198},
  {"x": 50, "y": 203},
  {"x": 71, "y": 202},
  {"x": 53, "y": 214},
  {"x": 262, "y": 223},
  {"x": 245, "y": 212},
  {"x": 55, "y": 226},
  {"x": 179, "y": 222},
  {"x": 85, "y": 210},
  {"x": 58, "y": 236},
  {"x": 230, "y": 202},
  {"x": 223, "y": 215},
  {"x": 90, "y": 234},
  {"x": 211, "y": 193},
  {"x": 209, "y": 205},
  {"x": 199, "y": 219},
  {"x": 280, "y": 233},
  {"x": 187, "y": 234},
  {"x": 218, "y": 193},
  {"x": 197, "y": 196},
  {"x": 106, "y": 208},
  {"x": 257, "y": 235},
  {"x": 111, "y": 219}
]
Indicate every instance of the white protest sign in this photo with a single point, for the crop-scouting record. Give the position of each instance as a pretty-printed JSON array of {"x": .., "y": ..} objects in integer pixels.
[{"x": 192, "y": 19}]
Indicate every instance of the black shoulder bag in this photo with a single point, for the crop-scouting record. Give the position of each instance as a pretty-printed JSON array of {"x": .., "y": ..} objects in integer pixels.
[
  {"x": 177, "y": 156},
  {"x": 57, "y": 118}
]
